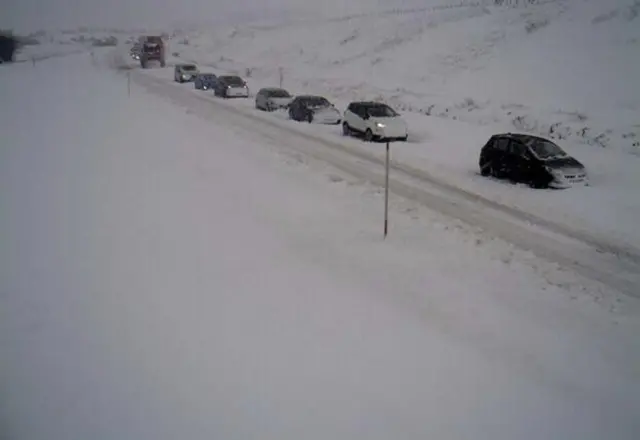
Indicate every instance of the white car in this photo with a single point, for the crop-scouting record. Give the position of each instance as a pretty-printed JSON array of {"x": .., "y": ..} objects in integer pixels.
[
  {"x": 185, "y": 72},
  {"x": 272, "y": 98},
  {"x": 374, "y": 121},
  {"x": 231, "y": 86}
]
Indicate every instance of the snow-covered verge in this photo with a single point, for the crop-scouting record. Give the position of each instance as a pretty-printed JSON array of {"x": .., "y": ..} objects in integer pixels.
[
  {"x": 460, "y": 74},
  {"x": 165, "y": 277}
]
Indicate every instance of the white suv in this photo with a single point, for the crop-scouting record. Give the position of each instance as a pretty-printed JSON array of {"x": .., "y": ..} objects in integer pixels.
[{"x": 374, "y": 121}]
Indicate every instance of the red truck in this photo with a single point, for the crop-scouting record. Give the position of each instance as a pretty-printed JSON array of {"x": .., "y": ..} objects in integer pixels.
[{"x": 152, "y": 49}]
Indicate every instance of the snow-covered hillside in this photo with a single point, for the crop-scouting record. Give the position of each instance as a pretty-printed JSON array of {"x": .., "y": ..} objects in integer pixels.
[
  {"x": 168, "y": 272},
  {"x": 567, "y": 69}
]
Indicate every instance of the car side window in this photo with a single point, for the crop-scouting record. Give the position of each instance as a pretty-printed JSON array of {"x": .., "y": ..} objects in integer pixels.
[
  {"x": 516, "y": 148},
  {"x": 501, "y": 144}
]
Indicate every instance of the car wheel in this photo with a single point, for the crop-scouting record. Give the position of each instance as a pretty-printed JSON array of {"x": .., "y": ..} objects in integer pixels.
[
  {"x": 405, "y": 138},
  {"x": 291, "y": 115},
  {"x": 310, "y": 118},
  {"x": 346, "y": 130},
  {"x": 538, "y": 184},
  {"x": 368, "y": 135},
  {"x": 490, "y": 170},
  {"x": 486, "y": 169}
]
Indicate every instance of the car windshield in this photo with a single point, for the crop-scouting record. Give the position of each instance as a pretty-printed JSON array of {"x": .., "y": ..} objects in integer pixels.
[
  {"x": 316, "y": 101},
  {"x": 208, "y": 76},
  {"x": 278, "y": 94},
  {"x": 189, "y": 67},
  {"x": 545, "y": 149},
  {"x": 233, "y": 80},
  {"x": 381, "y": 111}
]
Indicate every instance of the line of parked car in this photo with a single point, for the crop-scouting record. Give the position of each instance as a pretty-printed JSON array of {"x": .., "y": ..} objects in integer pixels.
[{"x": 520, "y": 158}]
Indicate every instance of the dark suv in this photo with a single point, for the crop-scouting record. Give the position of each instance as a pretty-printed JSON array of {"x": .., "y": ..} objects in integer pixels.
[{"x": 528, "y": 159}]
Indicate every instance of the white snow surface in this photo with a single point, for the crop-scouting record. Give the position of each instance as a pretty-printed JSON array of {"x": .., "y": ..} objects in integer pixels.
[
  {"x": 163, "y": 276},
  {"x": 565, "y": 70},
  {"x": 459, "y": 71}
]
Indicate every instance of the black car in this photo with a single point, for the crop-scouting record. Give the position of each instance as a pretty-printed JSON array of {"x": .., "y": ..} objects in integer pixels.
[
  {"x": 205, "y": 81},
  {"x": 314, "y": 109},
  {"x": 530, "y": 159}
]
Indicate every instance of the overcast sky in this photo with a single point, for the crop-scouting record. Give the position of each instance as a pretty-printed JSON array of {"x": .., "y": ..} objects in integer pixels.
[
  {"x": 32, "y": 15},
  {"x": 54, "y": 14},
  {"x": 24, "y": 15}
]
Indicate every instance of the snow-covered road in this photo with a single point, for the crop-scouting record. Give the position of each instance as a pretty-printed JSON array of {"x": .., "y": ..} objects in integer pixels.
[
  {"x": 167, "y": 273},
  {"x": 614, "y": 264}
]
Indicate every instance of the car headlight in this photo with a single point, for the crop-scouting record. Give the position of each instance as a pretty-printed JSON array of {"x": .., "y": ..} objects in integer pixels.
[{"x": 380, "y": 125}]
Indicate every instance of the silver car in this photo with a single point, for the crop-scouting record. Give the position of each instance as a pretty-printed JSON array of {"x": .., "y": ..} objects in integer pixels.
[
  {"x": 185, "y": 72},
  {"x": 272, "y": 98}
]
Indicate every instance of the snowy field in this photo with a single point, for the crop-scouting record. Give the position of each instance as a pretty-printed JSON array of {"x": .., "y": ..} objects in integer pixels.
[
  {"x": 166, "y": 274},
  {"x": 565, "y": 70},
  {"x": 561, "y": 69}
]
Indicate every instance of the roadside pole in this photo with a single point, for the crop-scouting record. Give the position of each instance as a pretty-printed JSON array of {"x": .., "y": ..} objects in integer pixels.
[
  {"x": 281, "y": 74},
  {"x": 129, "y": 84},
  {"x": 386, "y": 192}
]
